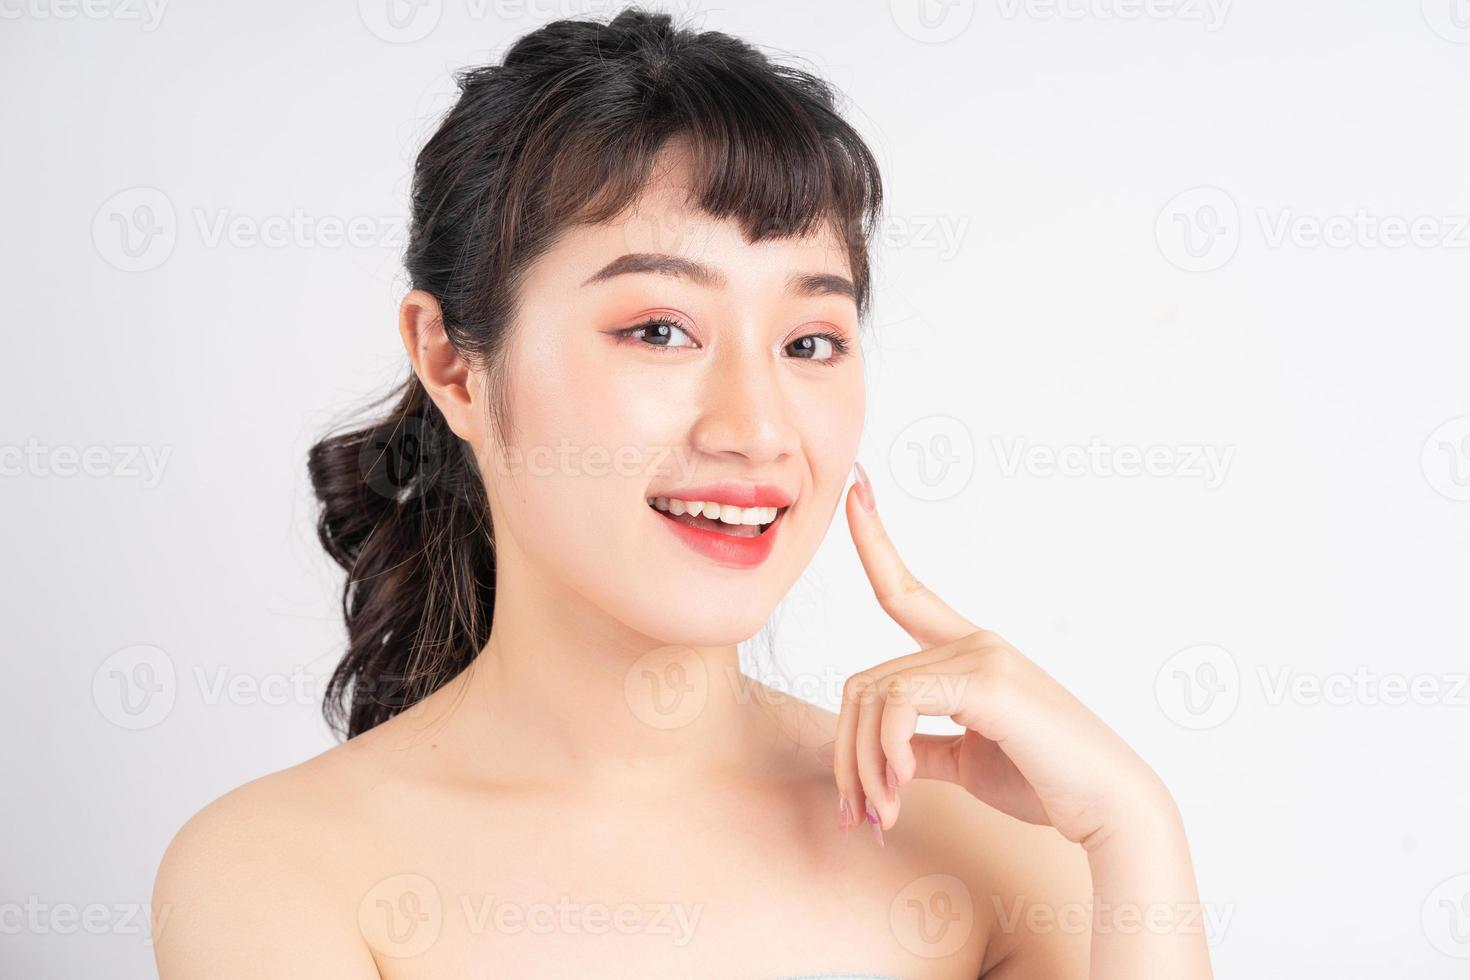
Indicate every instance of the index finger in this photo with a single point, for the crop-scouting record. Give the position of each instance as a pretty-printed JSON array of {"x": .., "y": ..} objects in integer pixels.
[{"x": 922, "y": 614}]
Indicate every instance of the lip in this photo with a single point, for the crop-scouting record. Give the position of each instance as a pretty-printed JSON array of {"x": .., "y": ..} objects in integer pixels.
[
  {"x": 731, "y": 492},
  {"x": 724, "y": 548}
]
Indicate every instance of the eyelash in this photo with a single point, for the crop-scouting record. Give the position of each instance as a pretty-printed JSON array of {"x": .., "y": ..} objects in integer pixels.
[{"x": 840, "y": 346}]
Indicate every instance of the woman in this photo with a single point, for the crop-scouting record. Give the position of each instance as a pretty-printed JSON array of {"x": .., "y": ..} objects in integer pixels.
[{"x": 638, "y": 260}]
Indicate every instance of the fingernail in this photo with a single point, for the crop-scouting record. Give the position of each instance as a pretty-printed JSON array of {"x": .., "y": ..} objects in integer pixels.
[
  {"x": 877, "y": 824},
  {"x": 865, "y": 488},
  {"x": 844, "y": 816}
]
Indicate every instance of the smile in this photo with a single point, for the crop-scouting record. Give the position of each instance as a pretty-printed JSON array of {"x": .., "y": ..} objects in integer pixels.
[
  {"x": 730, "y": 525},
  {"x": 709, "y": 515}
]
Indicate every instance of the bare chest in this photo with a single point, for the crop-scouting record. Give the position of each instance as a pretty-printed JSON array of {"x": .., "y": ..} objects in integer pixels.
[{"x": 537, "y": 892}]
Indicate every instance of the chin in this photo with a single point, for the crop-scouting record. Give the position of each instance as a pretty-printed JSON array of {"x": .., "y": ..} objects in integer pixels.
[{"x": 709, "y": 622}]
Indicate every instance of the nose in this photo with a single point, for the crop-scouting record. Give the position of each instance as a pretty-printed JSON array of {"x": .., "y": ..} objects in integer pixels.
[{"x": 744, "y": 409}]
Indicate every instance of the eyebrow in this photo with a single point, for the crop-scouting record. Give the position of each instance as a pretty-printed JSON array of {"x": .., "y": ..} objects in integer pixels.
[{"x": 811, "y": 284}]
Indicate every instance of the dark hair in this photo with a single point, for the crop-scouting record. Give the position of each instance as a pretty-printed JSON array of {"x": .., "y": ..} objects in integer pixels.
[{"x": 564, "y": 131}]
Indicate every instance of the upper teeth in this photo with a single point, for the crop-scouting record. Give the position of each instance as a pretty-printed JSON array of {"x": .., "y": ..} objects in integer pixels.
[{"x": 725, "y": 513}]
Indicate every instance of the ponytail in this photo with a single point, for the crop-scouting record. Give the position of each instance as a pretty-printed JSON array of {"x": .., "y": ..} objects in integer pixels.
[{"x": 404, "y": 512}]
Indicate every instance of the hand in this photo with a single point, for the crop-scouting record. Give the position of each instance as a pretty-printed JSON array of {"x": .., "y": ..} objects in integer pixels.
[{"x": 1030, "y": 749}]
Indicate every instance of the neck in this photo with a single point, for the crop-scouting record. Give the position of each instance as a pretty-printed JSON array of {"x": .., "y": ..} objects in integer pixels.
[{"x": 566, "y": 693}]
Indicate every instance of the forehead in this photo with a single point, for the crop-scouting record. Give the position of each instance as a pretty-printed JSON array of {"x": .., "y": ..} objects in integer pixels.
[{"x": 665, "y": 221}]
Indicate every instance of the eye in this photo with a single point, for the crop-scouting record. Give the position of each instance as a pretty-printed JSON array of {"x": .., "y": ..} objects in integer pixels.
[
  {"x": 657, "y": 332},
  {"x": 825, "y": 348}
]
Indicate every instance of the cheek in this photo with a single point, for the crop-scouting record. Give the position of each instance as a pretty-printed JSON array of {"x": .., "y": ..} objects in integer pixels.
[
  {"x": 581, "y": 516},
  {"x": 571, "y": 393},
  {"x": 832, "y": 427},
  {"x": 585, "y": 441}
]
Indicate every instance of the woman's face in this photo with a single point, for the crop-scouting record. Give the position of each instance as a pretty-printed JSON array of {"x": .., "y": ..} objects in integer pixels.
[{"x": 737, "y": 396}]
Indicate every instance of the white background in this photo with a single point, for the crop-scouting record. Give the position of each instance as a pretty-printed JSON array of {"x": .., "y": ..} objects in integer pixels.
[{"x": 1042, "y": 286}]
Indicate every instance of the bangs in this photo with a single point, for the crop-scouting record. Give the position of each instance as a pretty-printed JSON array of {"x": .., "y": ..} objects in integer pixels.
[{"x": 766, "y": 148}]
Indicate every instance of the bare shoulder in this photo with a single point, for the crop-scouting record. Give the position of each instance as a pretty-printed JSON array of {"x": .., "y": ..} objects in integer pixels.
[
  {"x": 255, "y": 883},
  {"x": 1029, "y": 889}
]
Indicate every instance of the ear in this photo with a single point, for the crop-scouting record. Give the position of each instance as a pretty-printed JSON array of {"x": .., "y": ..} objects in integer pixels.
[{"x": 445, "y": 375}]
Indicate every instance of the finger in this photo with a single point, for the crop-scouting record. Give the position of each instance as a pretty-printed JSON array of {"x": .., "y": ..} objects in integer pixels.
[
  {"x": 844, "y": 756},
  {"x": 934, "y": 757},
  {"x": 872, "y": 764},
  {"x": 907, "y": 695},
  {"x": 898, "y": 726},
  {"x": 921, "y": 613},
  {"x": 909, "y": 661}
]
